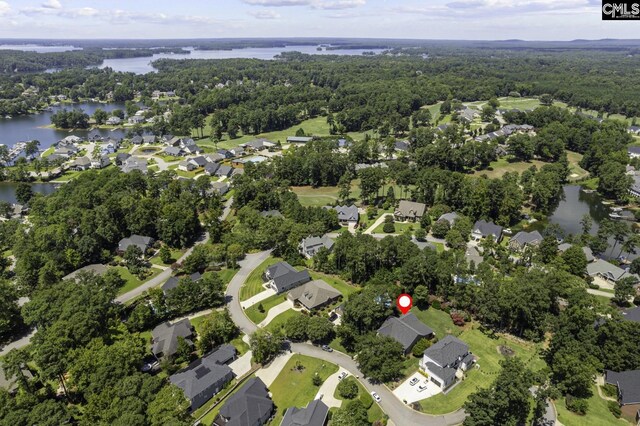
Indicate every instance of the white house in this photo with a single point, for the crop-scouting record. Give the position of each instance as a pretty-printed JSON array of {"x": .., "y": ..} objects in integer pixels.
[{"x": 446, "y": 360}]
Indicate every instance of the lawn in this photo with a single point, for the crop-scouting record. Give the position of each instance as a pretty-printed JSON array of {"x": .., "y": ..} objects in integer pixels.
[
  {"x": 226, "y": 275},
  {"x": 315, "y": 126},
  {"x": 577, "y": 172},
  {"x": 400, "y": 228},
  {"x": 175, "y": 255},
  {"x": 253, "y": 284},
  {"x": 293, "y": 388},
  {"x": 597, "y": 415},
  {"x": 485, "y": 348},
  {"x": 374, "y": 412},
  {"x": 316, "y": 197},
  {"x": 335, "y": 282},
  {"x": 256, "y": 316},
  {"x": 498, "y": 168},
  {"x": 131, "y": 281},
  {"x": 278, "y": 322}
]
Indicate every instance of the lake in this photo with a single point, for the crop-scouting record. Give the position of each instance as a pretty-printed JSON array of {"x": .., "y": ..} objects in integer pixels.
[
  {"x": 8, "y": 190},
  {"x": 143, "y": 65},
  {"x": 30, "y": 127},
  {"x": 38, "y": 48}
]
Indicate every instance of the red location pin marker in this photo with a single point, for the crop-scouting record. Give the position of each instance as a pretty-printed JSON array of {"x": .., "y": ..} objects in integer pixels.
[{"x": 404, "y": 303}]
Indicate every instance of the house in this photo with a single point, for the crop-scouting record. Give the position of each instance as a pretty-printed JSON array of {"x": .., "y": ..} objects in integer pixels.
[
  {"x": 607, "y": 271},
  {"x": 402, "y": 146},
  {"x": 258, "y": 145},
  {"x": 219, "y": 188},
  {"x": 310, "y": 245},
  {"x": 224, "y": 171},
  {"x": 467, "y": 114},
  {"x": 483, "y": 229},
  {"x": 628, "y": 384},
  {"x": 283, "y": 277},
  {"x": 443, "y": 360},
  {"x": 203, "y": 379},
  {"x": 199, "y": 161},
  {"x": 113, "y": 121},
  {"x": 633, "y": 151},
  {"x": 249, "y": 406},
  {"x": 299, "y": 139},
  {"x": 149, "y": 139},
  {"x": 225, "y": 153},
  {"x": 80, "y": 164},
  {"x": 406, "y": 330},
  {"x": 473, "y": 255},
  {"x": 171, "y": 140},
  {"x": 101, "y": 162},
  {"x": 164, "y": 338},
  {"x": 314, "y": 295},
  {"x": 449, "y": 217},
  {"x": 255, "y": 160},
  {"x": 587, "y": 251},
  {"x": 409, "y": 211},
  {"x": 634, "y": 189},
  {"x": 134, "y": 163},
  {"x": 632, "y": 314},
  {"x": 136, "y": 119},
  {"x": 314, "y": 414},
  {"x": 214, "y": 158},
  {"x": 347, "y": 215},
  {"x": 193, "y": 149},
  {"x": 237, "y": 151},
  {"x": 137, "y": 140},
  {"x": 142, "y": 242},
  {"x": 211, "y": 168},
  {"x": 173, "y": 282},
  {"x": 634, "y": 130},
  {"x": 186, "y": 166},
  {"x": 96, "y": 269},
  {"x": 173, "y": 151},
  {"x": 121, "y": 158},
  {"x": 522, "y": 240}
]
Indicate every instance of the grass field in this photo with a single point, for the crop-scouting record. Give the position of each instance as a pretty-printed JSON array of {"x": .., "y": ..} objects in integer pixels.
[
  {"x": 374, "y": 412},
  {"x": 256, "y": 316},
  {"x": 278, "y": 322},
  {"x": 253, "y": 284},
  {"x": 226, "y": 275},
  {"x": 326, "y": 195},
  {"x": 175, "y": 255},
  {"x": 335, "y": 282},
  {"x": 131, "y": 281},
  {"x": 498, "y": 168},
  {"x": 485, "y": 348},
  {"x": 400, "y": 227},
  {"x": 597, "y": 415},
  {"x": 577, "y": 172},
  {"x": 293, "y": 388}
]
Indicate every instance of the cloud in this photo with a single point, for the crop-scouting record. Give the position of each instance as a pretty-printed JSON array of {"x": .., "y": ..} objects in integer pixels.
[
  {"x": 52, "y": 4},
  {"x": 5, "y": 8},
  {"x": 316, "y": 4},
  {"x": 264, "y": 14}
]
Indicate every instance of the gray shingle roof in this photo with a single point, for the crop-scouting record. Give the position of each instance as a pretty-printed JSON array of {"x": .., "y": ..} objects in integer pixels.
[
  {"x": 165, "y": 337},
  {"x": 411, "y": 209},
  {"x": 314, "y": 293},
  {"x": 286, "y": 277},
  {"x": 347, "y": 213},
  {"x": 449, "y": 217},
  {"x": 224, "y": 170},
  {"x": 173, "y": 282},
  {"x": 142, "y": 242},
  {"x": 223, "y": 354},
  {"x": 628, "y": 383},
  {"x": 97, "y": 269},
  {"x": 587, "y": 251},
  {"x": 315, "y": 414},
  {"x": 524, "y": 238},
  {"x": 202, "y": 379},
  {"x": 406, "y": 329},
  {"x": 632, "y": 314},
  {"x": 311, "y": 245},
  {"x": 447, "y": 350},
  {"x": 608, "y": 270},
  {"x": 485, "y": 229},
  {"x": 249, "y": 406}
]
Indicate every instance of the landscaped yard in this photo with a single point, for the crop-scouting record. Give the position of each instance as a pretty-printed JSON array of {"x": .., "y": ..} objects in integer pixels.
[
  {"x": 253, "y": 284},
  {"x": 226, "y": 275},
  {"x": 238, "y": 343},
  {"x": 400, "y": 227},
  {"x": 498, "y": 168},
  {"x": 132, "y": 281},
  {"x": 293, "y": 388},
  {"x": 335, "y": 282},
  {"x": 485, "y": 348},
  {"x": 175, "y": 255},
  {"x": 278, "y": 322},
  {"x": 597, "y": 415},
  {"x": 254, "y": 313},
  {"x": 374, "y": 411}
]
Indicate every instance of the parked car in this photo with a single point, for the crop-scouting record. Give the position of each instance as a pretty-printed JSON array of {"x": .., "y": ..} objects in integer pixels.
[
  {"x": 422, "y": 387},
  {"x": 376, "y": 396},
  {"x": 413, "y": 381},
  {"x": 327, "y": 348},
  {"x": 342, "y": 375}
]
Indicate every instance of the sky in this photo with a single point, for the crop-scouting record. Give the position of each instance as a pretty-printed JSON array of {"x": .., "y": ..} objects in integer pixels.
[{"x": 426, "y": 19}]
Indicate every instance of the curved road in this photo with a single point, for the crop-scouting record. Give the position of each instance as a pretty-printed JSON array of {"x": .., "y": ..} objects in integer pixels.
[{"x": 398, "y": 412}]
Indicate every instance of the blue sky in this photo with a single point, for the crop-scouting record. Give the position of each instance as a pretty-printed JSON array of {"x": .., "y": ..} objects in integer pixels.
[{"x": 426, "y": 19}]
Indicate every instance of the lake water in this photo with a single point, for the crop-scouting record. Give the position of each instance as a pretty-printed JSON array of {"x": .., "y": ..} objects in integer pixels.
[
  {"x": 8, "y": 190},
  {"x": 30, "y": 127},
  {"x": 38, "y": 48},
  {"x": 143, "y": 65}
]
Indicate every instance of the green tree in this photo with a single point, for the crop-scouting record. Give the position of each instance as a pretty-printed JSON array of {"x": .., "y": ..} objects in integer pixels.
[
  {"x": 165, "y": 254},
  {"x": 624, "y": 290},
  {"x": 24, "y": 193},
  {"x": 380, "y": 358},
  {"x": 140, "y": 318},
  {"x": 353, "y": 413},
  {"x": 320, "y": 329},
  {"x": 348, "y": 388},
  {"x": 420, "y": 346},
  {"x": 575, "y": 260},
  {"x": 170, "y": 407},
  {"x": 216, "y": 329},
  {"x": 133, "y": 258},
  {"x": 440, "y": 228},
  {"x": 296, "y": 328},
  {"x": 421, "y": 296},
  {"x": 265, "y": 346},
  {"x": 100, "y": 116}
]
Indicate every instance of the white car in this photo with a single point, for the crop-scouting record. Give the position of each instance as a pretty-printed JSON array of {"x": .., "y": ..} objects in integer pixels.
[
  {"x": 376, "y": 396},
  {"x": 342, "y": 375},
  {"x": 413, "y": 381}
]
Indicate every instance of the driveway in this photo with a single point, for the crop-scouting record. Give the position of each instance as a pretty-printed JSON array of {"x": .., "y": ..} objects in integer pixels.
[
  {"x": 411, "y": 394},
  {"x": 327, "y": 390},
  {"x": 258, "y": 298},
  {"x": 242, "y": 365},
  {"x": 275, "y": 311},
  {"x": 247, "y": 265},
  {"x": 271, "y": 372},
  {"x": 377, "y": 223},
  {"x": 398, "y": 412}
]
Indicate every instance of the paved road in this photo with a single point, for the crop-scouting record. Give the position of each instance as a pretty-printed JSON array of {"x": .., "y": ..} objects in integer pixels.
[
  {"x": 600, "y": 293},
  {"x": 398, "y": 412},
  {"x": 247, "y": 265}
]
